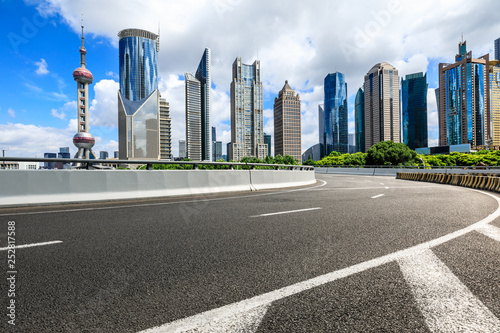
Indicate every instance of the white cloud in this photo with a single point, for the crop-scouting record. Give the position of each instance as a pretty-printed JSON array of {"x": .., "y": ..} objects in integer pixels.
[
  {"x": 113, "y": 75},
  {"x": 11, "y": 112},
  {"x": 103, "y": 110},
  {"x": 61, "y": 111},
  {"x": 42, "y": 67}
]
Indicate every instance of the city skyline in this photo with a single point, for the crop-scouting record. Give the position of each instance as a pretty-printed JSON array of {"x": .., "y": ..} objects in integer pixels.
[{"x": 38, "y": 100}]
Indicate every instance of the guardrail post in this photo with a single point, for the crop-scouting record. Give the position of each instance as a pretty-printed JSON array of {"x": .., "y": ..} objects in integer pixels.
[
  {"x": 195, "y": 166},
  {"x": 149, "y": 166}
]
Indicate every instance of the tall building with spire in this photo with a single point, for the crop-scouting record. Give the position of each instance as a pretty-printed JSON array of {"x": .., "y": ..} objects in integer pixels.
[
  {"x": 83, "y": 140},
  {"x": 247, "y": 112},
  {"x": 464, "y": 103},
  {"x": 287, "y": 125},
  {"x": 139, "y": 120}
]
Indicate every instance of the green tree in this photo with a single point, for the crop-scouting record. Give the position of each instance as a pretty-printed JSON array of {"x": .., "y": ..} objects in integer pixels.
[{"x": 390, "y": 153}]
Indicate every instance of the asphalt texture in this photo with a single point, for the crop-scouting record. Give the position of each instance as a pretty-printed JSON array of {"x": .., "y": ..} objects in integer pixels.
[{"x": 133, "y": 265}]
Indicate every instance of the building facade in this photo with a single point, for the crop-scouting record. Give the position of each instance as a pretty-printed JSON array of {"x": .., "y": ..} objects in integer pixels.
[
  {"x": 182, "y": 149},
  {"x": 497, "y": 50},
  {"x": 267, "y": 141},
  {"x": 314, "y": 153},
  {"x": 495, "y": 101},
  {"x": 247, "y": 112},
  {"x": 414, "y": 110},
  {"x": 359, "y": 120},
  {"x": 382, "y": 122},
  {"x": 165, "y": 130},
  {"x": 336, "y": 114},
  {"x": 287, "y": 124},
  {"x": 138, "y": 97},
  {"x": 321, "y": 126},
  {"x": 203, "y": 75},
  {"x": 464, "y": 100},
  {"x": 193, "y": 118}
]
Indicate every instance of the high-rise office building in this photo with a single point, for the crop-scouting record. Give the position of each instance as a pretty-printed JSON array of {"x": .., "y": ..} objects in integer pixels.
[
  {"x": 414, "y": 110},
  {"x": 138, "y": 97},
  {"x": 165, "y": 130},
  {"x": 247, "y": 112},
  {"x": 214, "y": 133},
  {"x": 287, "y": 124},
  {"x": 381, "y": 87},
  {"x": 103, "y": 155},
  {"x": 495, "y": 101},
  {"x": 182, "y": 149},
  {"x": 464, "y": 104},
  {"x": 216, "y": 146},
  {"x": 193, "y": 118},
  {"x": 497, "y": 50},
  {"x": 83, "y": 140},
  {"x": 351, "y": 139},
  {"x": 198, "y": 111},
  {"x": 359, "y": 120},
  {"x": 336, "y": 115},
  {"x": 267, "y": 141},
  {"x": 321, "y": 126}
]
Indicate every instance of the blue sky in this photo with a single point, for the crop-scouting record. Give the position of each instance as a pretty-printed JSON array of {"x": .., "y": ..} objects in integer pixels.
[{"x": 294, "y": 41}]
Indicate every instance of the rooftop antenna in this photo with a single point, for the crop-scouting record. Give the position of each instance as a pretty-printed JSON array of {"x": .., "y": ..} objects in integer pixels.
[
  {"x": 462, "y": 37},
  {"x": 158, "y": 38}
]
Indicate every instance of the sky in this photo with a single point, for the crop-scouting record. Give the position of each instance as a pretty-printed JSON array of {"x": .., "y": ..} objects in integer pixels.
[{"x": 298, "y": 41}]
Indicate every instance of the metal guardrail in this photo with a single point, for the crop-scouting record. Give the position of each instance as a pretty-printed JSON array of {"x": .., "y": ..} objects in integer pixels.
[
  {"x": 428, "y": 167},
  {"x": 149, "y": 163}
]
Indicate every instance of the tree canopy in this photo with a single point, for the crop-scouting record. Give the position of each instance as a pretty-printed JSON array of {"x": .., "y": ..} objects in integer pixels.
[{"x": 390, "y": 153}]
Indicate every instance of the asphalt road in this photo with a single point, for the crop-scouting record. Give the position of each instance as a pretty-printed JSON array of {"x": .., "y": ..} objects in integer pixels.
[{"x": 349, "y": 254}]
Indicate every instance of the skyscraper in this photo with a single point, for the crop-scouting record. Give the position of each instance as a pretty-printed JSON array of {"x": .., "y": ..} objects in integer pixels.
[
  {"x": 193, "y": 118},
  {"x": 247, "y": 112},
  {"x": 83, "y": 140},
  {"x": 182, "y": 149},
  {"x": 198, "y": 106},
  {"x": 216, "y": 146},
  {"x": 322, "y": 135},
  {"x": 464, "y": 103},
  {"x": 359, "y": 120},
  {"x": 267, "y": 141},
  {"x": 414, "y": 105},
  {"x": 138, "y": 97},
  {"x": 336, "y": 116},
  {"x": 381, "y": 89},
  {"x": 165, "y": 130},
  {"x": 495, "y": 101},
  {"x": 497, "y": 50},
  {"x": 287, "y": 125}
]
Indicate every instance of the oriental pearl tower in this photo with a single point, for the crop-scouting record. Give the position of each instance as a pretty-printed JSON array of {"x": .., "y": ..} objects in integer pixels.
[{"x": 83, "y": 140}]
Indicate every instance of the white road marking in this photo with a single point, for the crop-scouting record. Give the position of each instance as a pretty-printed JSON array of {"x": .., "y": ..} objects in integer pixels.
[
  {"x": 387, "y": 187},
  {"x": 30, "y": 245},
  {"x": 490, "y": 231},
  {"x": 163, "y": 203},
  {"x": 446, "y": 304},
  {"x": 381, "y": 183},
  {"x": 377, "y": 196},
  {"x": 288, "y": 212},
  {"x": 203, "y": 319}
]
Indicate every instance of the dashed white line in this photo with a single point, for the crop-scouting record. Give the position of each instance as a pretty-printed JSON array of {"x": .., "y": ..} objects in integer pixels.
[
  {"x": 490, "y": 231},
  {"x": 446, "y": 304},
  {"x": 30, "y": 245},
  {"x": 387, "y": 187},
  {"x": 288, "y": 212},
  {"x": 377, "y": 196}
]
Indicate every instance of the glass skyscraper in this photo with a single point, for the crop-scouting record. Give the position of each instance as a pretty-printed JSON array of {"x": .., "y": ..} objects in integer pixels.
[
  {"x": 247, "y": 112},
  {"x": 359, "y": 120},
  {"x": 464, "y": 100},
  {"x": 321, "y": 136},
  {"x": 336, "y": 115},
  {"x": 497, "y": 50},
  {"x": 414, "y": 104},
  {"x": 138, "y": 97},
  {"x": 198, "y": 131},
  {"x": 381, "y": 96}
]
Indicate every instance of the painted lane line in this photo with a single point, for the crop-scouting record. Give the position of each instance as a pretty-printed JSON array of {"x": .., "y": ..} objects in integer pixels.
[
  {"x": 377, "y": 196},
  {"x": 288, "y": 212},
  {"x": 446, "y": 304},
  {"x": 30, "y": 245},
  {"x": 381, "y": 183},
  {"x": 490, "y": 231},
  {"x": 387, "y": 187},
  {"x": 164, "y": 203},
  {"x": 210, "y": 317}
]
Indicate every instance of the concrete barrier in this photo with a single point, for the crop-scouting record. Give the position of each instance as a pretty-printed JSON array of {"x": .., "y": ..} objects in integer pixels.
[{"x": 23, "y": 187}]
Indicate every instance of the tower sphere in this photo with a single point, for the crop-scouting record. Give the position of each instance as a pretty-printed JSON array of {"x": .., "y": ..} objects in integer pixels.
[
  {"x": 83, "y": 140},
  {"x": 83, "y": 75}
]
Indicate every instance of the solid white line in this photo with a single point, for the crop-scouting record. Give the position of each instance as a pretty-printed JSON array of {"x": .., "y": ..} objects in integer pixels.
[
  {"x": 207, "y": 318},
  {"x": 163, "y": 203},
  {"x": 377, "y": 196},
  {"x": 288, "y": 212},
  {"x": 29, "y": 245},
  {"x": 446, "y": 304},
  {"x": 490, "y": 231},
  {"x": 387, "y": 187}
]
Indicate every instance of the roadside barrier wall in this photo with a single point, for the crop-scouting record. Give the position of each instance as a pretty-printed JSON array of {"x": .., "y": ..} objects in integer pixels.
[
  {"x": 481, "y": 181},
  {"x": 25, "y": 187}
]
